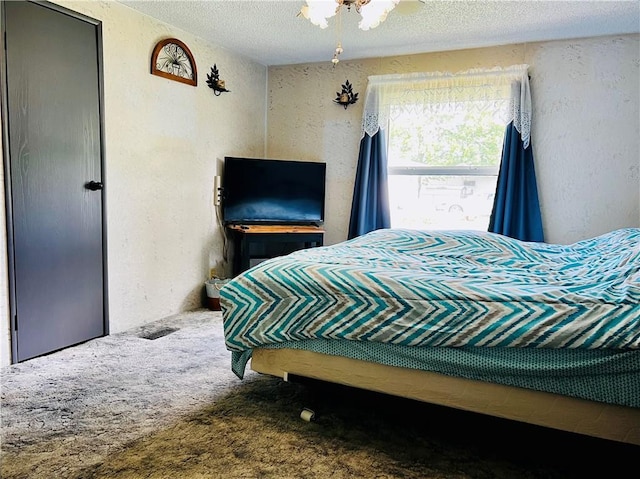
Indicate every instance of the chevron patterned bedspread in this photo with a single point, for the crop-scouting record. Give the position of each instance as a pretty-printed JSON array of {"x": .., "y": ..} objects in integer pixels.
[{"x": 439, "y": 288}]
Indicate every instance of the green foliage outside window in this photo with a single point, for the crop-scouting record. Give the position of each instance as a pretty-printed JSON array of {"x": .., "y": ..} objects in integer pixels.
[{"x": 469, "y": 138}]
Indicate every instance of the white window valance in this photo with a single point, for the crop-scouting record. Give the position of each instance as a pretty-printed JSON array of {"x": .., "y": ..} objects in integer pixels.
[{"x": 505, "y": 91}]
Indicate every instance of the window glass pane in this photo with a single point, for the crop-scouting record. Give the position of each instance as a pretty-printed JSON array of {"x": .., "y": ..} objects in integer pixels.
[
  {"x": 441, "y": 202},
  {"x": 450, "y": 136},
  {"x": 443, "y": 165}
]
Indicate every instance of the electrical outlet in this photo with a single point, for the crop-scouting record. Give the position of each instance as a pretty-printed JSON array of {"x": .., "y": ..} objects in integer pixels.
[{"x": 217, "y": 191}]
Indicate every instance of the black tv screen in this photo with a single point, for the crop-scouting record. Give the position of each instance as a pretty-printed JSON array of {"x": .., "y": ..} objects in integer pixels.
[{"x": 256, "y": 190}]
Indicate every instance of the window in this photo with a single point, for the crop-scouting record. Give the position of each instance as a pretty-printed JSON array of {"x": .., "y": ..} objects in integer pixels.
[
  {"x": 443, "y": 163},
  {"x": 444, "y": 141}
]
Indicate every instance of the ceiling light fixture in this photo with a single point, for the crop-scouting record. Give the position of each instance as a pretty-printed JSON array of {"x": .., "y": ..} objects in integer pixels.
[{"x": 373, "y": 13}]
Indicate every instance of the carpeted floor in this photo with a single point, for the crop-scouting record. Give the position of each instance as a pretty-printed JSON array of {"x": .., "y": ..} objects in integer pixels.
[{"x": 125, "y": 406}]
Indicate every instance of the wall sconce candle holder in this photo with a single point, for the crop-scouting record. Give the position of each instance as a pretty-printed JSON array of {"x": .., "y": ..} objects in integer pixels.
[
  {"x": 214, "y": 82},
  {"x": 346, "y": 97}
]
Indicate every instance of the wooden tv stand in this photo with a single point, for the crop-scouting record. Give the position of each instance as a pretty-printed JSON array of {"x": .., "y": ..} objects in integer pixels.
[{"x": 244, "y": 236}]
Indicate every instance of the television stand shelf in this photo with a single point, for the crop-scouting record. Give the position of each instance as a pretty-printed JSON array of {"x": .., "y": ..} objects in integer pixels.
[{"x": 246, "y": 237}]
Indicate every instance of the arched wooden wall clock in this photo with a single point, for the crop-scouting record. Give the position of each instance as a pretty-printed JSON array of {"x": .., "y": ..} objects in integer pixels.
[{"x": 172, "y": 59}]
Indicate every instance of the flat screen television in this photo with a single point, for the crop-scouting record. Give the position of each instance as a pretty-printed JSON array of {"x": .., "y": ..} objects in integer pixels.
[{"x": 266, "y": 191}]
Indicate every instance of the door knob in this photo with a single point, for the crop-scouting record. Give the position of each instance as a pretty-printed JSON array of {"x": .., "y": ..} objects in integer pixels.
[{"x": 94, "y": 185}]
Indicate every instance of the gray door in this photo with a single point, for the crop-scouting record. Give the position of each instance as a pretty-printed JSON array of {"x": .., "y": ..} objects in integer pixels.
[{"x": 55, "y": 213}]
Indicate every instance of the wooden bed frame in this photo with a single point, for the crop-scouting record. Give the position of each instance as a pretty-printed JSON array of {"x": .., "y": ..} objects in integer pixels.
[{"x": 605, "y": 421}]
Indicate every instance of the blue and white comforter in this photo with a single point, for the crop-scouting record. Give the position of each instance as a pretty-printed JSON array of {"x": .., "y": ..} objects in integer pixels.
[{"x": 438, "y": 288}]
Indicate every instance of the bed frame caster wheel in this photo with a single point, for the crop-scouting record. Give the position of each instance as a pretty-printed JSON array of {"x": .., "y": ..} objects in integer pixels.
[{"x": 307, "y": 415}]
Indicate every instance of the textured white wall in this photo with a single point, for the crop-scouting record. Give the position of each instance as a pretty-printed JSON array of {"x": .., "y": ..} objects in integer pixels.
[
  {"x": 585, "y": 133},
  {"x": 163, "y": 140}
]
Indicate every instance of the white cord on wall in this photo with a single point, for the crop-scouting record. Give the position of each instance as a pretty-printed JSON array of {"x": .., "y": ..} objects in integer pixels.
[{"x": 217, "y": 202}]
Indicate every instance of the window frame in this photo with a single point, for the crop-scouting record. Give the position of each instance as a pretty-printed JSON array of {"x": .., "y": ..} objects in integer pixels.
[{"x": 443, "y": 170}]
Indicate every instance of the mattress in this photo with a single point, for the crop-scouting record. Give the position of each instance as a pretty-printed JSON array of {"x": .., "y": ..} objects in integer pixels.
[{"x": 611, "y": 377}]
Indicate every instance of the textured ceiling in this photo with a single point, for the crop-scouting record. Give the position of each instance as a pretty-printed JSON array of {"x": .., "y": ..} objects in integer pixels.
[{"x": 271, "y": 33}]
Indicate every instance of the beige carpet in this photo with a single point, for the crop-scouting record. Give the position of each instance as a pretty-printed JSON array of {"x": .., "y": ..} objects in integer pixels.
[{"x": 129, "y": 407}]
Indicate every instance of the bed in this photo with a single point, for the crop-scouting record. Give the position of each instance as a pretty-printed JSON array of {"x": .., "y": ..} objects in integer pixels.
[{"x": 540, "y": 333}]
